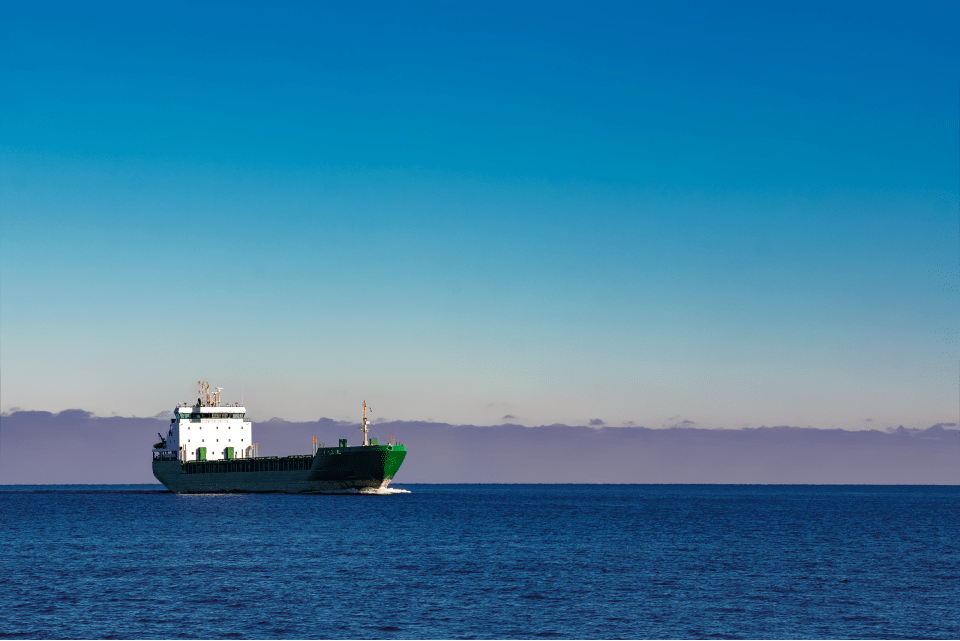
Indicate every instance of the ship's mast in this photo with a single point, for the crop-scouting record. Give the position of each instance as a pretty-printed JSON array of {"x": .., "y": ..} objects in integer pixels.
[
  {"x": 363, "y": 426},
  {"x": 205, "y": 398},
  {"x": 204, "y": 394}
]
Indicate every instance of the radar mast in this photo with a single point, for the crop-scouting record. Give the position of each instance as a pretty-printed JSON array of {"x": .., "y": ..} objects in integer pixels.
[{"x": 364, "y": 424}]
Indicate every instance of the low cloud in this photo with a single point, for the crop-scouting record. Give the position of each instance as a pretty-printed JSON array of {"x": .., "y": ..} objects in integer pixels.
[
  {"x": 508, "y": 417},
  {"x": 596, "y": 422},
  {"x": 75, "y": 446}
]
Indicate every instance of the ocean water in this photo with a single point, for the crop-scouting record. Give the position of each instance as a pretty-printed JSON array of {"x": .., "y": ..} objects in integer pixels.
[{"x": 483, "y": 561}]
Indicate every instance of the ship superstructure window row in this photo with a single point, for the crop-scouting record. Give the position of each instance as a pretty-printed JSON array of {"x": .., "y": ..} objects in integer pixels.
[{"x": 209, "y": 415}]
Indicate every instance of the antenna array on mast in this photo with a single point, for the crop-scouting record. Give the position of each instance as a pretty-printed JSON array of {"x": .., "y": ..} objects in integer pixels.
[{"x": 205, "y": 397}]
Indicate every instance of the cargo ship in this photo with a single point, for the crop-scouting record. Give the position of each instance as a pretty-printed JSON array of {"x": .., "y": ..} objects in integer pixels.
[{"x": 208, "y": 449}]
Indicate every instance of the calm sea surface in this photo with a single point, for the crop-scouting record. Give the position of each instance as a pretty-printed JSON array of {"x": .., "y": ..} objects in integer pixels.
[{"x": 488, "y": 561}]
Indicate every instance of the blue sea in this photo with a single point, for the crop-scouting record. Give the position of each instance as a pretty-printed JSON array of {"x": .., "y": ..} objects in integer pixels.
[{"x": 483, "y": 561}]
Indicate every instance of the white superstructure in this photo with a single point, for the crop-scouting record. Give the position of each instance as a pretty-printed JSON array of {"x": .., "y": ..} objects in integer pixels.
[{"x": 209, "y": 430}]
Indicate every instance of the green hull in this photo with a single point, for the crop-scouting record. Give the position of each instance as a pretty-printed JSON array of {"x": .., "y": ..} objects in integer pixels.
[{"x": 331, "y": 469}]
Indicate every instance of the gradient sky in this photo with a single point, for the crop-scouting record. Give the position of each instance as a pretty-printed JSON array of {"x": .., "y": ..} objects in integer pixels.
[{"x": 732, "y": 214}]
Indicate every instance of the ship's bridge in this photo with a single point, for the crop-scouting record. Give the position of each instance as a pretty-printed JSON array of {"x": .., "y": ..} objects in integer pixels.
[
  {"x": 197, "y": 413},
  {"x": 208, "y": 430}
]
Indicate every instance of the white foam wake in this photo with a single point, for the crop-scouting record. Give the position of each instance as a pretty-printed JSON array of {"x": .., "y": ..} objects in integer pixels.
[
  {"x": 383, "y": 490},
  {"x": 380, "y": 491}
]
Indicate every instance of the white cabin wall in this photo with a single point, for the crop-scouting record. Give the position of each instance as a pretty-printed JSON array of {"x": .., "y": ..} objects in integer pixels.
[
  {"x": 173, "y": 436},
  {"x": 216, "y": 434}
]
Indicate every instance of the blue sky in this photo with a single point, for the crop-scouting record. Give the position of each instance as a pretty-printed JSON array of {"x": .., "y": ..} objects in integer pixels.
[{"x": 733, "y": 214}]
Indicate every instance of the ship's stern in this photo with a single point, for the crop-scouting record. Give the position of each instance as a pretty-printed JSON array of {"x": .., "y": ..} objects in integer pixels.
[{"x": 166, "y": 468}]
